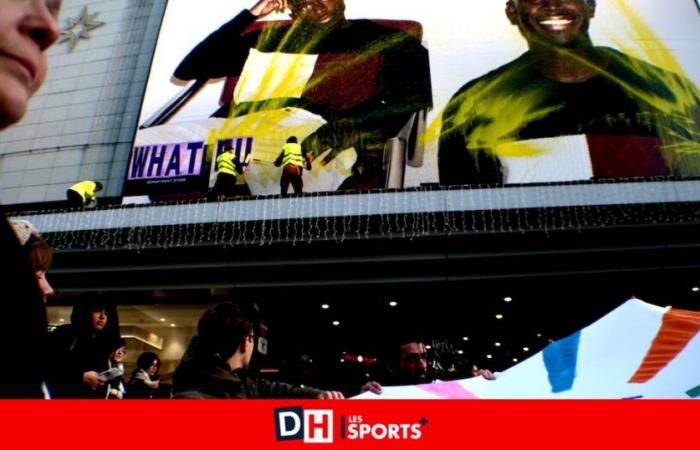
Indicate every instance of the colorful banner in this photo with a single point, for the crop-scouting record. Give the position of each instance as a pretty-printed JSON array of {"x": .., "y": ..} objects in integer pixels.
[
  {"x": 393, "y": 94},
  {"x": 636, "y": 351}
]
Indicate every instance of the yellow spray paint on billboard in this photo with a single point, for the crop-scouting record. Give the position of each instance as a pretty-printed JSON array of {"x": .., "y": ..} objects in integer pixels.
[{"x": 494, "y": 113}]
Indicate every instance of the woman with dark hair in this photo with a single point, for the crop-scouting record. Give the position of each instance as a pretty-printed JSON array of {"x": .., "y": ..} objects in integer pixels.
[
  {"x": 79, "y": 352},
  {"x": 144, "y": 381}
]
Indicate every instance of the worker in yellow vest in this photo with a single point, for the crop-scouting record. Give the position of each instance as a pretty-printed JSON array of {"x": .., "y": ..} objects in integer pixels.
[
  {"x": 293, "y": 161},
  {"x": 228, "y": 168},
  {"x": 83, "y": 194}
]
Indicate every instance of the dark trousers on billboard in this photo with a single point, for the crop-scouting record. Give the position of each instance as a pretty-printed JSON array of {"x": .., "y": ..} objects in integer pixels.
[{"x": 225, "y": 186}]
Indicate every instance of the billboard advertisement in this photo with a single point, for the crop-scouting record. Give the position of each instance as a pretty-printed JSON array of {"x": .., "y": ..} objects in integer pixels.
[{"x": 359, "y": 94}]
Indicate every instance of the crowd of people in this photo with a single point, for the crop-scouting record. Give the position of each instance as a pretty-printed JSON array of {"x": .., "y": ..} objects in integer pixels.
[{"x": 85, "y": 359}]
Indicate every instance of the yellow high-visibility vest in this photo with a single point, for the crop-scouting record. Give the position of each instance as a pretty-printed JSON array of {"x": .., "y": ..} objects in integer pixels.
[
  {"x": 86, "y": 189},
  {"x": 293, "y": 155},
  {"x": 226, "y": 164}
]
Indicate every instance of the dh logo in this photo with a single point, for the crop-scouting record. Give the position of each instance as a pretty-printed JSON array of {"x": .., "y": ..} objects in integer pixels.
[{"x": 314, "y": 426}]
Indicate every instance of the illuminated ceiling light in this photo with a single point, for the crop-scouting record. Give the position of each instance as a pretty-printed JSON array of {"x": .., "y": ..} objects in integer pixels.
[
  {"x": 508, "y": 299},
  {"x": 539, "y": 335},
  {"x": 342, "y": 360},
  {"x": 489, "y": 356},
  {"x": 497, "y": 344},
  {"x": 172, "y": 325},
  {"x": 428, "y": 347},
  {"x": 499, "y": 316},
  {"x": 360, "y": 359},
  {"x": 465, "y": 338},
  {"x": 515, "y": 359},
  {"x": 460, "y": 352},
  {"x": 336, "y": 323},
  {"x": 61, "y": 320},
  {"x": 695, "y": 289},
  {"x": 526, "y": 349},
  {"x": 325, "y": 306},
  {"x": 162, "y": 319},
  {"x": 393, "y": 303},
  {"x": 310, "y": 361}
]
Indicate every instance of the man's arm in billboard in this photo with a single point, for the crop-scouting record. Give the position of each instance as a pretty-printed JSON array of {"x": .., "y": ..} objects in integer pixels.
[
  {"x": 224, "y": 52},
  {"x": 458, "y": 162},
  {"x": 405, "y": 89}
]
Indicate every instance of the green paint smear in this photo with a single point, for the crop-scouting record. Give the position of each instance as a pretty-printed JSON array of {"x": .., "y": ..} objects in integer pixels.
[{"x": 694, "y": 393}]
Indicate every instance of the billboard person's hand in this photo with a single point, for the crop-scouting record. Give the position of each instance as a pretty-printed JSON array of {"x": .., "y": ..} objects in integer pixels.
[{"x": 265, "y": 7}]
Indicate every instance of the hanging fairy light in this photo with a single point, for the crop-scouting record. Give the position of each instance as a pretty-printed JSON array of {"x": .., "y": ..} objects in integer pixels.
[{"x": 412, "y": 213}]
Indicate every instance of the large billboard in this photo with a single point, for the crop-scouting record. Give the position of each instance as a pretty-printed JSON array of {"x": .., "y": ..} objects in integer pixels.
[{"x": 396, "y": 94}]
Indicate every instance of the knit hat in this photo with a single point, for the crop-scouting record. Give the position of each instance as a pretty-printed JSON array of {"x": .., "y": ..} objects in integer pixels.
[{"x": 24, "y": 230}]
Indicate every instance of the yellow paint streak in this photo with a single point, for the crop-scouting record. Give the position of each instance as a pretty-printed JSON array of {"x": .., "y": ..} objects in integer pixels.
[{"x": 675, "y": 117}]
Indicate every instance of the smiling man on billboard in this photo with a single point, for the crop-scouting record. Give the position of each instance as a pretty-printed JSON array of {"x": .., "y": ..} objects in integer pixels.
[{"x": 569, "y": 110}]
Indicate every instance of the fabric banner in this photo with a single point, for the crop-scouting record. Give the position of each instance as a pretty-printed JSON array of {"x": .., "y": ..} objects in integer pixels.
[{"x": 636, "y": 351}]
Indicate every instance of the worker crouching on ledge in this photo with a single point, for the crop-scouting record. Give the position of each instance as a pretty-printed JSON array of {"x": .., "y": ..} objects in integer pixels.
[{"x": 82, "y": 195}]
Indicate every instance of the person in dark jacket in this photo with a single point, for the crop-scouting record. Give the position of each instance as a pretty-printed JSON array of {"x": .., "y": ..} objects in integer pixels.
[
  {"x": 144, "y": 381},
  {"x": 216, "y": 363},
  {"x": 80, "y": 352},
  {"x": 27, "y": 30}
]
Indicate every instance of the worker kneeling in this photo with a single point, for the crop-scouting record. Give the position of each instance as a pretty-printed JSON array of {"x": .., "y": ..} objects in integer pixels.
[{"x": 82, "y": 194}]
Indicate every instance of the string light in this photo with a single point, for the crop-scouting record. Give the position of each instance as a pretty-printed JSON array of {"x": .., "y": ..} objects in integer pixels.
[{"x": 338, "y": 217}]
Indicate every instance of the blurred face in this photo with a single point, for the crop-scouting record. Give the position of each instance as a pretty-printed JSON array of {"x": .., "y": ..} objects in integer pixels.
[
  {"x": 119, "y": 355},
  {"x": 318, "y": 11},
  {"x": 560, "y": 22},
  {"x": 248, "y": 351},
  {"x": 98, "y": 319},
  {"x": 44, "y": 286},
  {"x": 413, "y": 366},
  {"x": 153, "y": 368},
  {"x": 27, "y": 29}
]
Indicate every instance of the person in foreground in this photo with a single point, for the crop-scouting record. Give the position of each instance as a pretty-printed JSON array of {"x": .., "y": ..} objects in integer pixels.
[
  {"x": 27, "y": 30},
  {"x": 216, "y": 363}
]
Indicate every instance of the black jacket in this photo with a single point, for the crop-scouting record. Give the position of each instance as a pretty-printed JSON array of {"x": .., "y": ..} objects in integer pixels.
[
  {"x": 205, "y": 376},
  {"x": 71, "y": 354},
  {"x": 24, "y": 330}
]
